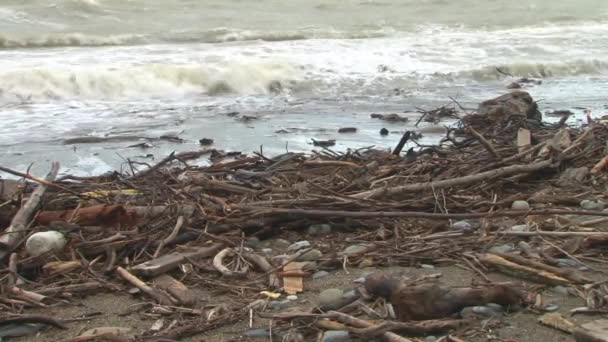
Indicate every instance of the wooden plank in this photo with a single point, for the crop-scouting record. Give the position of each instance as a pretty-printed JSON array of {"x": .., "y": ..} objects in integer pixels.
[{"x": 293, "y": 285}]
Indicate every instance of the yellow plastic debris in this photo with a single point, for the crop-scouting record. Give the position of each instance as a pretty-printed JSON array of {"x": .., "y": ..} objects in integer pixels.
[{"x": 269, "y": 294}]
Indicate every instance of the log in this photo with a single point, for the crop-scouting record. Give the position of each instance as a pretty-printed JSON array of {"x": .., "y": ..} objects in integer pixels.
[
  {"x": 175, "y": 288},
  {"x": 160, "y": 297},
  {"x": 470, "y": 179},
  {"x": 171, "y": 261},
  {"x": 572, "y": 275},
  {"x": 522, "y": 272},
  {"x": 97, "y": 215},
  {"x": 16, "y": 231}
]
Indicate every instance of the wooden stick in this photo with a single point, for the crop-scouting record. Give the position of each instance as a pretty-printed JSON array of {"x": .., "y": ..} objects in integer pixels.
[
  {"x": 171, "y": 237},
  {"x": 488, "y": 145},
  {"x": 572, "y": 275},
  {"x": 265, "y": 211},
  {"x": 475, "y": 178},
  {"x": 22, "y": 318},
  {"x": 12, "y": 269},
  {"x": 555, "y": 234},
  {"x": 46, "y": 182},
  {"x": 71, "y": 288},
  {"x": 160, "y": 297},
  {"x": 401, "y": 144},
  {"x": 330, "y": 163},
  {"x": 16, "y": 231},
  {"x": 523, "y": 272}
]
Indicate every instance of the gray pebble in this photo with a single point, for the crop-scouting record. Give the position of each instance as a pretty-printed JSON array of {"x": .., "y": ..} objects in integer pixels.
[
  {"x": 292, "y": 297},
  {"x": 354, "y": 249},
  {"x": 267, "y": 251},
  {"x": 427, "y": 267},
  {"x": 430, "y": 339},
  {"x": 520, "y": 228},
  {"x": 257, "y": 332},
  {"x": 592, "y": 205},
  {"x": 252, "y": 242},
  {"x": 359, "y": 280},
  {"x": 297, "y": 246},
  {"x": 462, "y": 226},
  {"x": 319, "y": 274},
  {"x": 350, "y": 295},
  {"x": 278, "y": 305},
  {"x": 331, "y": 298},
  {"x": 486, "y": 311},
  {"x": 336, "y": 336},
  {"x": 502, "y": 248},
  {"x": 520, "y": 205},
  {"x": 551, "y": 308},
  {"x": 560, "y": 290},
  {"x": 279, "y": 244},
  {"x": 319, "y": 229},
  {"x": 312, "y": 255}
]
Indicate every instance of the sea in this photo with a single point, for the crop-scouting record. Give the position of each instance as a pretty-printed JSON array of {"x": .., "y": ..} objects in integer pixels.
[{"x": 271, "y": 75}]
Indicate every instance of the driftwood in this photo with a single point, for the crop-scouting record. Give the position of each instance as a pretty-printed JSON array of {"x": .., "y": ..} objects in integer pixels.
[
  {"x": 572, "y": 275},
  {"x": 176, "y": 289},
  {"x": 497, "y": 173},
  {"x": 15, "y": 232},
  {"x": 97, "y": 215},
  {"x": 160, "y": 297},
  {"x": 168, "y": 262},
  {"x": 523, "y": 272}
]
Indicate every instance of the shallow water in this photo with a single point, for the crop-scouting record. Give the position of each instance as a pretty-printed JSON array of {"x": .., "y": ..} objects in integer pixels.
[{"x": 74, "y": 68}]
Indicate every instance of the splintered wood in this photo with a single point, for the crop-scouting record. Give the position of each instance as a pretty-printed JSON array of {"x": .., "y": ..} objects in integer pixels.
[{"x": 293, "y": 284}]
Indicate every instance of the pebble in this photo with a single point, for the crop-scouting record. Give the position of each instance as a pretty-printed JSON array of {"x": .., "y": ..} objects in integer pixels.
[
  {"x": 591, "y": 205},
  {"x": 318, "y": 229},
  {"x": 359, "y": 280},
  {"x": 279, "y": 244},
  {"x": 462, "y": 226},
  {"x": 520, "y": 228},
  {"x": 257, "y": 332},
  {"x": 430, "y": 339},
  {"x": 427, "y": 267},
  {"x": 350, "y": 295},
  {"x": 297, "y": 246},
  {"x": 267, "y": 251},
  {"x": 292, "y": 297},
  {"x": 336, "y": 336},
  {"x": 563, "y": 262},
  {"x": 496, "y": 307},
  {"x": 278, "y": 305},
  {"x": 502, "y": 248},
  {"x": 366, "y": 262},
  {"x": 486, "y": 311},
  {"x": 252, "y": 242},
  {"x": 520, "y": 205},
  {"x": 331, "y": 299},
  {"x": 320, "y": 274},
  {"x": 560, "y": 290},
  {"x": 312, "y": 255},
  {"x": 44, "y": 242},
  {"x": 354, "y": 249},
  {"x": 551, "y": 308}
]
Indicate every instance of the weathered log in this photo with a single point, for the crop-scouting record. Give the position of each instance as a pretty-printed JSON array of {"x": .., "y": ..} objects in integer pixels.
[{"x": 16, "y": 231}]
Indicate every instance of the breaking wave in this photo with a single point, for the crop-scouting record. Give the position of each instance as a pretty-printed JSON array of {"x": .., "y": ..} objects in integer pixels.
[
  {"x": 149, "y": 81},
  {"x": 536, "y": 70},
  {"x": 219, "y": 35}
]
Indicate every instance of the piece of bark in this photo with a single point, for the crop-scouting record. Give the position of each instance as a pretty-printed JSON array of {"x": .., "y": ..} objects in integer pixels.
[
  {"x": 522, "y": 272},
  {"x": 556, "y": 321},
  {"x": 570, "y": 274},
  {"x": 57, "y": 267},
  {"x": 293, "y": 285},
  {"x": 176, "y": 289},
  {"x": 524, "y": 140},
  {"x": 596, "y": 331},
  {"x": 97, "y": 215},
  {"x": 16, "y": 231},
  {"x": 431, "y": 301},
  {"x": 169, "y": 262}
]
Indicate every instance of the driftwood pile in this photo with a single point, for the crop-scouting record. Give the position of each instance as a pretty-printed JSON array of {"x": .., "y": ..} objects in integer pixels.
[{"x": 165, "y": 229}]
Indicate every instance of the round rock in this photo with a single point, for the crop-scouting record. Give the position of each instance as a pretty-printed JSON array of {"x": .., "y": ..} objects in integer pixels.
[
  {"x": 520, "y": 205},
  {"x": 312, "y": 255},
  {"x": 297, "y": 246},
  {"x": 331, "y": 298}
]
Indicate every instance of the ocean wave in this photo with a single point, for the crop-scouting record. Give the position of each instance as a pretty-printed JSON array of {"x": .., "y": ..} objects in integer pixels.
[
  {"x": 219, "y": 35},
  {"x": 149, "y": 81},
  {"x": 535, "y": 70}
]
